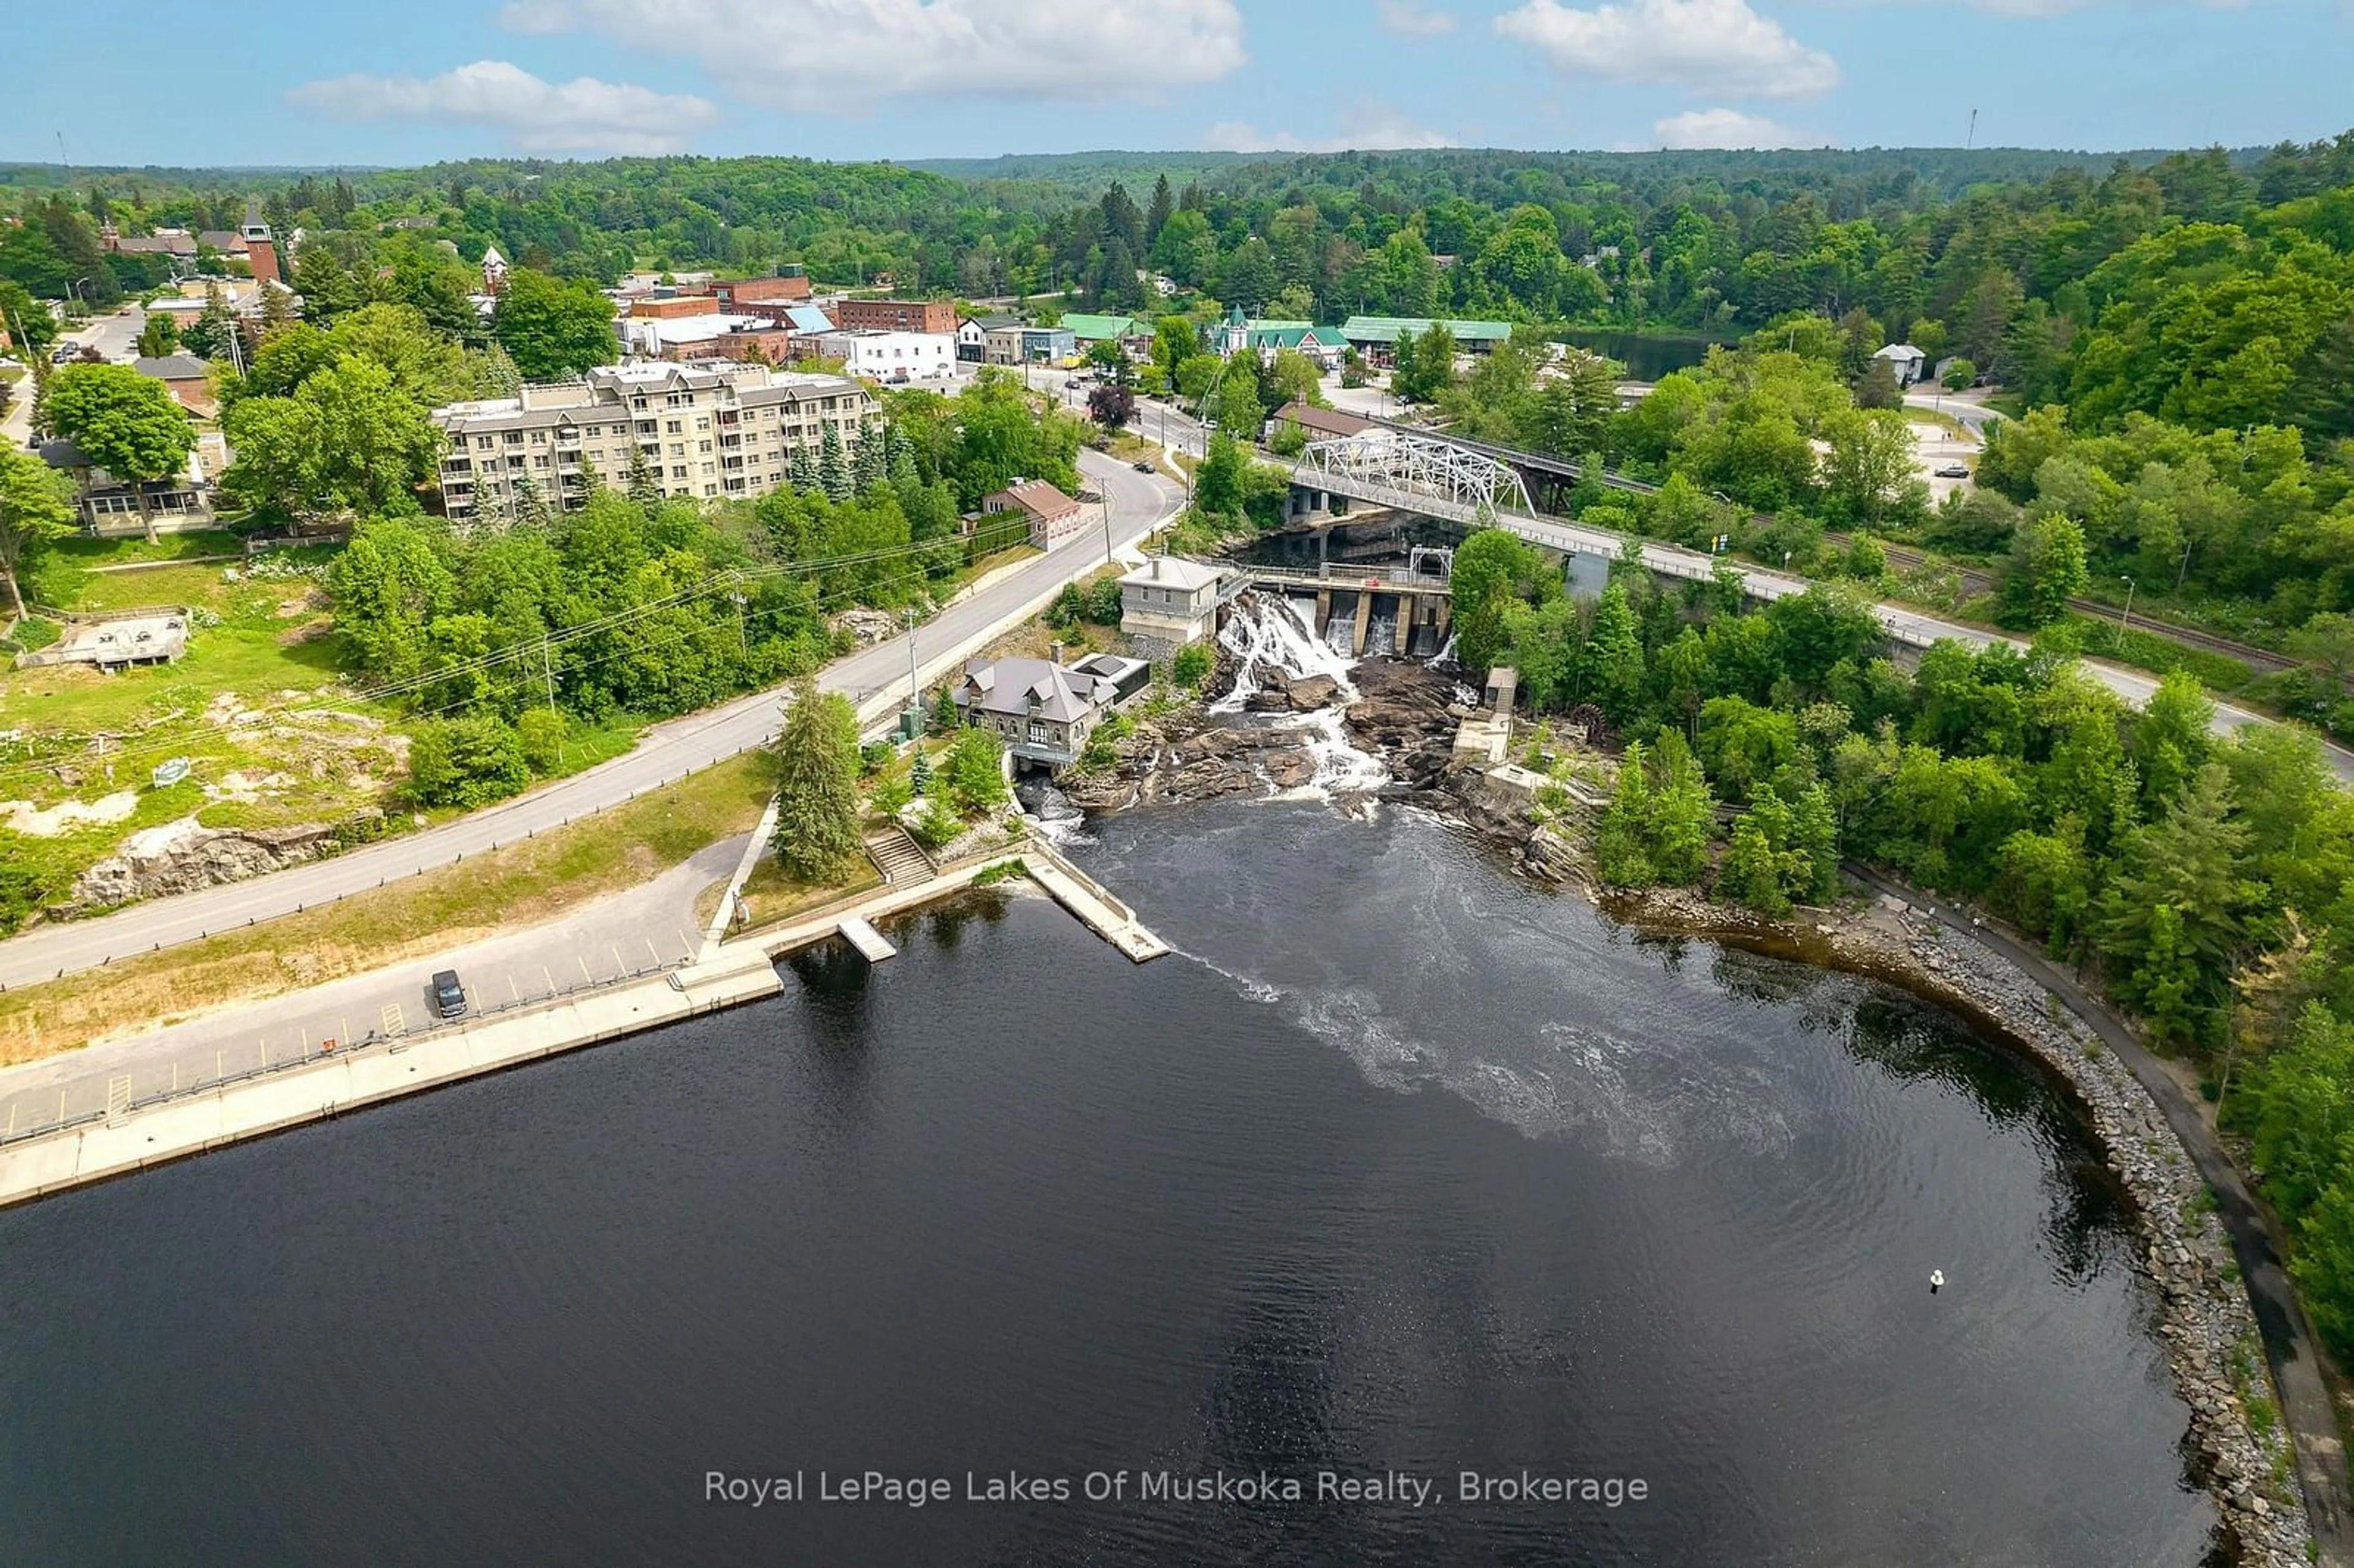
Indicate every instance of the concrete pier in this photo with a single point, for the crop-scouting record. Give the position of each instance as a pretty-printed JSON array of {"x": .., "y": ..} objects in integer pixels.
[
  {"x": 869, "y": 941},
  {"x": 133, "y": 1137}
]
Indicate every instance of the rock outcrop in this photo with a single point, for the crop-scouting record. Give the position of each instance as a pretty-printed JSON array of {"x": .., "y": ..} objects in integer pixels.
[{"x": 182, "y": 856}]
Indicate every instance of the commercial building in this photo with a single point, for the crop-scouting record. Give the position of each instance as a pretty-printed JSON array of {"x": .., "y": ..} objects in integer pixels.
[
  {"x": 897, "y": 315},
  {"x": 1019, "y": 344},
  {"x": 703, "y": 431},
  {"x": 789, "y": 287},
  {"x": 888, "y": 355},
  {"x": 1376, "y": 337},
  {"x": 1320, "y": 424},
  {"x": 1324, "y": 344},
  {"x": 706, "y": 335}
]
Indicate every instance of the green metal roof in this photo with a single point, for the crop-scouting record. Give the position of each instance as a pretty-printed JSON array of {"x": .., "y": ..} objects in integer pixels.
[
  {"x": 1099, "y": 329},
  {"x": 1389, "y": 329},
  {"x": 1292, "y": 335}
]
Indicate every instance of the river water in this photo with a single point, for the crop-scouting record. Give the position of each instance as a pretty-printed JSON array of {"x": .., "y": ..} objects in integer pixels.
[{"x": 1400, "y": 1166}]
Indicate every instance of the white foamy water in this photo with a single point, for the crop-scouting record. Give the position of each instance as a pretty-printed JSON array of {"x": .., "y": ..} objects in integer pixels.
[{"x": 1271, "y": 634}]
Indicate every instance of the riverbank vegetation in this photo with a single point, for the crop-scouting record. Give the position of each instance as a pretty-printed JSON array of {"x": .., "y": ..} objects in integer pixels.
[{"x": 2204, "y": 878}]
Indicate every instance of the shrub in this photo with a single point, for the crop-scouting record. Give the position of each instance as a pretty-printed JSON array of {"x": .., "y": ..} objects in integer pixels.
[
  {"x": 468, "y": 761},
  {"x": 935, "y": 825},
  {"x": 975, "y": 774},
  {"x": 1192, "y": 665},
  {"x": 1103, "y": 602},
  {"x": 540, "y": 732}
]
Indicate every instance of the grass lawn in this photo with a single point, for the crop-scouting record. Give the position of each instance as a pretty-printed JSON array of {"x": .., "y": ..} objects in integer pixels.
[
  {"x": 519, "y": 885},
  {"x": 84, "y": 551},
  {"x": 775, "y": 896},
  {"x": 1009, "y": 556}
]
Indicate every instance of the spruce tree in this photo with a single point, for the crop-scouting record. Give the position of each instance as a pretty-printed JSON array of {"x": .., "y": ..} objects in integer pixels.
[
  {"x": 643, "y": 487},
  {"x": 870, "y": 464},
  {"x": 832, "y": 473},
  {"x": 816, "y": 756},
  {"x": 802, "y": 473}
]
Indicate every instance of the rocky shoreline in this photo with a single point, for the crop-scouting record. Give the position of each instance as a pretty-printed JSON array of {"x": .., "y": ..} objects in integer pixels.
[{"x": 1407, "y": 714}]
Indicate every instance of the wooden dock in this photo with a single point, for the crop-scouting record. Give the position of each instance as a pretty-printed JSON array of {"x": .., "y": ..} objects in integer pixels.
[{"x": 863, "y": 936}]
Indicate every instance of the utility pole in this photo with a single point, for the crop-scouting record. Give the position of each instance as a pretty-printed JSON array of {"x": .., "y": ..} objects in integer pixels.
[
  {"x": 1971, "y": 140},
  {"x": 743, "y": 645},
  {"x": 914, "y": 696},
  {"x": 2124, "y": 620},
  {"x": 547, "y": 668}
]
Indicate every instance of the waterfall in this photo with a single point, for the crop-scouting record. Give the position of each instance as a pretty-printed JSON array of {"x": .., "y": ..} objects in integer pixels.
[
  {"x": 1446, "y": 654},
  {"x": 1265, "y": 632},
  {"x": 1381, "y": 631},
  {"x": 1268, "y": 633}
]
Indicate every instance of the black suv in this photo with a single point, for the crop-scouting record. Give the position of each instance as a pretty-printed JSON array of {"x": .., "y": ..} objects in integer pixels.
[{"x": 449, "y": 996}]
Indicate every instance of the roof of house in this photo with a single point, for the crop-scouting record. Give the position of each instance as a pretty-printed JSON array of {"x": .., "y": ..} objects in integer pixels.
[
  {"x": 1326, "y": 421},
  {"x": 1389, "y": 329},
  {"x": 807, "y": 318},
  {"x": 491, "y": 257},
  {"x": 1035, "y": 496},
  {"x": 1292, "y": 335},
  {"x": 1089, "y": 328},
  {"x": 995, "y": 322},
  {"x": 157, "y": 245},
  {"x": 222, "y": 239},
  {"x": 1034, "y": 686},
  {"x": 1172, "y": 571},
  {"x": 173, "y": 367},
  {"x": 1898, "y": 351}
]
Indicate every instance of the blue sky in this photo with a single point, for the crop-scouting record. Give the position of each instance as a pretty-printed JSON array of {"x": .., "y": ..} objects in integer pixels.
[{"x": 364, "y": 83}]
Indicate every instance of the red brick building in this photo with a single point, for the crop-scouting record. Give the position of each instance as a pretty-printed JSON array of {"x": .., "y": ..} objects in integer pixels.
[{"x": 897, "y": 315}]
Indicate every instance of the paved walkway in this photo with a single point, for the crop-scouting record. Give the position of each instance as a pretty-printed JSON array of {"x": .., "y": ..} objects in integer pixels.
[{"x": 2306, "y": 1404}]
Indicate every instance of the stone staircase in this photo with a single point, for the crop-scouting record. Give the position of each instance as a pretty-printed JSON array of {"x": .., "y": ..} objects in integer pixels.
[{"x": 899, "y": 856}]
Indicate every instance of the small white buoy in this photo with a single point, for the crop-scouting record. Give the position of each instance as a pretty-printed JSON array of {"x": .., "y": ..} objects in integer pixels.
[{"x": 1936, "y": 1279}]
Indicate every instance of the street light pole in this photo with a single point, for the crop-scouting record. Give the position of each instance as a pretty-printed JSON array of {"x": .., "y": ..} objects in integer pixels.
[{"x": 2124, "y": 620}]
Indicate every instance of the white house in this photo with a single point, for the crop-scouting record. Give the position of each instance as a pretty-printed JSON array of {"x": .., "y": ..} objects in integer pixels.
[{"x": 1906, "y": 360}]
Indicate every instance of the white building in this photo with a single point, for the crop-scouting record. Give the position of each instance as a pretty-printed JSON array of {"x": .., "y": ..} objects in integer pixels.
[
  {"x": 705, "y": 430},
  {"x": 891, "y": 355},
  {"x": 1172, "y": 600},
  {"x": 1906, "y": 360}
]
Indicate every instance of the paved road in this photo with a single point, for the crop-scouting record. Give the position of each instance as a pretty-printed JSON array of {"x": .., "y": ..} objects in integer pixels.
[
  {"x": 649, "y": 927},
  {"x": 1905, "y": 624},
  {"x": 2255, "y": 1241},
  {"x": 1137, "y": 503},
  {"x": 115, "y": 336}
]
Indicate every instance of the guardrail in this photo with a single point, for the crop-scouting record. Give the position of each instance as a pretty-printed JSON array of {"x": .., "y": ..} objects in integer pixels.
[{"x": 330, "y": 1050}]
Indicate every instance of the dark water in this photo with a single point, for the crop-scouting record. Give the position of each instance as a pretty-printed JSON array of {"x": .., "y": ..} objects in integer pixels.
[
  {"x": 1647, "y": 355},
  {"x": 1414, "y": 1170}
]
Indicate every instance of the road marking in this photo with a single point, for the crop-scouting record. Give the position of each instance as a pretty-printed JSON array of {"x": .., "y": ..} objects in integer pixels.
[
  {"x": 619, "y": 969},
  {"x": 395, "y": 1022},
  {"x": 513, "y": 993},
  {"x": 548, "y": 977},
  {"x": 585, "y": 976},
  {"x": 651, "y": 953}
]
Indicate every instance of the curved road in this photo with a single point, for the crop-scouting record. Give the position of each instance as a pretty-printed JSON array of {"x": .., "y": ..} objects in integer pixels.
[{"x": 1137, "y": 503}]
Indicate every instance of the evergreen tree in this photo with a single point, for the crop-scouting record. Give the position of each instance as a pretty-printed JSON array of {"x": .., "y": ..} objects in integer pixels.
[
  {"x": 801, "y": 472},
  {"x": 870, "y": 463},
  {"x": 832, "y": 472},
  {"x": 1157, "y": 213},
  {"x": 1622, "y": 838},
  {"x": 816, "y": 756},
  {"x": 527, "y": 508},
  {"x": 643, "y": 487},
  {"x": 2171, "y": 917},
  {"x": 1612, "y": 659}
]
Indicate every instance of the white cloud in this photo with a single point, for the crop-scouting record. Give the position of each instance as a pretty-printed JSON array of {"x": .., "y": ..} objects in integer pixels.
[
  {"x": 841, "y": 55},
  {"x": 583, "y": 115},
  {"x": 1720, "y": 44},
  {"x": 1366, "y": 125},
  {"x": 1405, "y": 17},
  {"x": 1728, "y": 128}
]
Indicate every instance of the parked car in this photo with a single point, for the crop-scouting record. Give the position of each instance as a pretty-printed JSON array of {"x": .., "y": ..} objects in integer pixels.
[
  {"x": 1953, "y": 471},
  {"x": 449, "y": 996},
  {"x": 1140, "y": 466}
]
